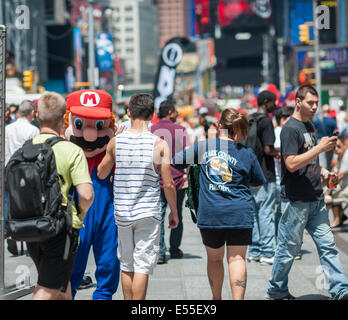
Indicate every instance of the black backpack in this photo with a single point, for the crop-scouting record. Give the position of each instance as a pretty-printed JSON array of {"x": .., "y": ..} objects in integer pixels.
[
  {"x": 252, "y": 140},
  {"x": 193, "y": 191},
  {"x": 35, "y": 211}
]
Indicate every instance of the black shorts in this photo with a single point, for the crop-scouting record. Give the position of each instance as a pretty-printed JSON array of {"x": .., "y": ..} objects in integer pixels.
[
  {"x": 53, "y": 271},
  {"x": 216, "y": 238}
]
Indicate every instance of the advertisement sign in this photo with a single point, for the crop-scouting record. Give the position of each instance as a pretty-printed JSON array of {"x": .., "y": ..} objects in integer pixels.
[
  {"x": 237, "y": 12},
  {"x": 105, "y": 51},
  {"x": 206, "y": 53},
  {"x": 188, "y": 64},
  {"x": 229, "y": 10},
  {"x": 333, "y": 63},
  {"x": 80, "y": 12},
  {"x": 77, "y": 36},
  {"x": 171, "y": 55},
  {"x": 202, "y": 16},
  {"x": 302, "y": 12}
]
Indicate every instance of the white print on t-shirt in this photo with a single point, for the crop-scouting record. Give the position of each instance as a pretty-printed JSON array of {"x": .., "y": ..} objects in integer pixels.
[
  {"x": 214, "y": 187},
  {"x": 309, "y": 144},
  {"x": 309, "y": 141}
]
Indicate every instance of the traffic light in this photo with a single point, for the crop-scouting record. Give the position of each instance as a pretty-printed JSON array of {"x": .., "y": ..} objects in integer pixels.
[
  {"x": 28, "y": 79},
  {"x": 304, "y": 33},
  {"x": 307, "y": 76}
]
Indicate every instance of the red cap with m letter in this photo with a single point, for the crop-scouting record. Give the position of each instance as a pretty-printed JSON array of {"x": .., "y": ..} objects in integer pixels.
[{"x": 92, "y": 104}]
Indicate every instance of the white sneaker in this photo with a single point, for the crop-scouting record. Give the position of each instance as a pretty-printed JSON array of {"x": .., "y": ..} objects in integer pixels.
[
  {"x": 253, "y": 259},
  {"x": 266, "y": 261}
]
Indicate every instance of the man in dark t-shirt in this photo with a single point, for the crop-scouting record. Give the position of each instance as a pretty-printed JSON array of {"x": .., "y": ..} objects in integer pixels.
[
  {"x": 262, "y": 248},
  {"x": 302, "y": 201}
]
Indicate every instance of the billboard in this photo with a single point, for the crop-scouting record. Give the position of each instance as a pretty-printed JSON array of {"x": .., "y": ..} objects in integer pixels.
[
  {"x": 202, "y": 16},
  {"x": 77, "y": 53},
  {"x": 229, "y": 10},
  {"x": 239, "y": 62},
  {"x": 302, "y": 11},
  {"x": 235, "y": 13},
  {"x": 105, "y": 51},
  {"x": 333, "y": 63}
]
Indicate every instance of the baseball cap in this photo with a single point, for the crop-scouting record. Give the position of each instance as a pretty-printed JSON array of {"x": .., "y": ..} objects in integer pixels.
[
  {"x": 203, "y": 110},
  {"x": 93, "y": 104}
]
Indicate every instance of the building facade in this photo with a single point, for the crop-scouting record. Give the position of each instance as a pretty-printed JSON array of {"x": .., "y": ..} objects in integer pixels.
[
  {"x": 135, "y": 32},
  {"x": 174, "y": 19}
]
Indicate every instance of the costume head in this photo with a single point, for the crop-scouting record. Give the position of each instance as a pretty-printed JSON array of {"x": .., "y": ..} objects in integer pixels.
[{"x": 89, "y": 120}]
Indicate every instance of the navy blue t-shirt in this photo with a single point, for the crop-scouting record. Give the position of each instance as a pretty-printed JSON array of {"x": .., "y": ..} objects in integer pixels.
[
  {"x": 226, "y": 171},
  {"x": 325, "y": 127}
]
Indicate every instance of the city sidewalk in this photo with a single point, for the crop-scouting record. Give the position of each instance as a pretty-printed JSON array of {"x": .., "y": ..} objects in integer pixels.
[{"x": 186, "y": 278}]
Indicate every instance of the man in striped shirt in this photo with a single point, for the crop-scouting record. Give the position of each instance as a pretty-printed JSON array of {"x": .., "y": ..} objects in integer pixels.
[{"x": 139, "y": 156}]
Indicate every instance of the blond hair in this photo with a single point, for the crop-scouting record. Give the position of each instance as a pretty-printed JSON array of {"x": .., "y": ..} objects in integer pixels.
[{"x": 51, "y": 108}]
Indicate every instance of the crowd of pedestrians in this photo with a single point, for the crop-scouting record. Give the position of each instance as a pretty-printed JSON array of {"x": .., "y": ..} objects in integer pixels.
[{"x": 253, "y": 204}]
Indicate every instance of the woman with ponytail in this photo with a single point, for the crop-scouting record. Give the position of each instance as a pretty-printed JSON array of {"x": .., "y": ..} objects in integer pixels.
[{"x": 226, "y": 211}]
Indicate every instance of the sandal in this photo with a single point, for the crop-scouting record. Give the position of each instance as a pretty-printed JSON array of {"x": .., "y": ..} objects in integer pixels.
[{"x": 337, "y": 225}]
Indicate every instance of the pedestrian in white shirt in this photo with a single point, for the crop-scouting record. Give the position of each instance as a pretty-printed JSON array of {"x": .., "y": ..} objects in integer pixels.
[
  {"x": 16, "y": 134},
  {"x": 21, "y": 130}
]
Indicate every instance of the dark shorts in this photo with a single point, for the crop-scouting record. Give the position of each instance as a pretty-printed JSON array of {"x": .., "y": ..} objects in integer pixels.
[
  {"x": 216, "y": 238},
  {"x": 53, "y": 271}
]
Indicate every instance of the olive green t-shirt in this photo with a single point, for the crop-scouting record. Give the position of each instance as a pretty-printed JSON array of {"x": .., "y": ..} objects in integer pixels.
[{"x": 72, "y": 166}]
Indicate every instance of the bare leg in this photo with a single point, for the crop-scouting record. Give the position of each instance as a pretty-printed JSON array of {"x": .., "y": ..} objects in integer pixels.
[
  {"x": 43, "y": 293},
  {"x": 127, "y": 282},
  {"x": 67, "y": 294},
  {"x": 215, "y": 270},
  {"x": 139, "y": 287},
  {"x": 237, "y": 270},
  {"x": 336, "y": 211}
]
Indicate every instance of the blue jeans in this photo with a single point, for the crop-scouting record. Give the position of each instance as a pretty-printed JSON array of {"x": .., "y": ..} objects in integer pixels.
[
  {"x": 296, "y": 216},
  {"x": 175, "y": 234},
  {"x": 277, "y": 211},
  {"x": 263, "y": 232}
]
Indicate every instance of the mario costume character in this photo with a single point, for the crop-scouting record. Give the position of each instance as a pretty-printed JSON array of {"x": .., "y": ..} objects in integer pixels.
[{"x": 90, "y": 125}]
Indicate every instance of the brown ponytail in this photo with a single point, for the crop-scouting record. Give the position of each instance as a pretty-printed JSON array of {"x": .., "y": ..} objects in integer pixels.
[{"x": 235, "y": 122}]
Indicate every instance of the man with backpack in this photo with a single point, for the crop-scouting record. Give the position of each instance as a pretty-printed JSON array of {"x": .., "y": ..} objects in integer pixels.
[
  {"x": 16, "y": 133},
  {"x": 261, "y": 139},
  {"x": 40, "y": 178}
]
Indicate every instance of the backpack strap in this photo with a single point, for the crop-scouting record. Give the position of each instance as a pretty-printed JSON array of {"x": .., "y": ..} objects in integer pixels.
[
  {"x": 257, "y": 117},
  {"x": 52, "y": 141},
  {"x": 69, "y": 221}
]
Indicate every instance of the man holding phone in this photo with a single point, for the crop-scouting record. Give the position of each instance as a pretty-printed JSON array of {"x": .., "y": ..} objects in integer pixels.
[{"x": 303, "y": 205}]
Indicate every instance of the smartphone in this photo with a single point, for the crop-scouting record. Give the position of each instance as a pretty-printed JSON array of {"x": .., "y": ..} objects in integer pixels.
[{"x": 336, "y": 133}]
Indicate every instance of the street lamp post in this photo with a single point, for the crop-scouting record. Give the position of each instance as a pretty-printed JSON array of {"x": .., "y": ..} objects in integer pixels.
[
  {"x": 317, "y": 52},
  {"x": 91, "y": 50}
]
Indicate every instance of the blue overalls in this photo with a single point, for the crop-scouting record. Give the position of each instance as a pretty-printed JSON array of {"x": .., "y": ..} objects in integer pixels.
[{"x": 100, "y": 231}]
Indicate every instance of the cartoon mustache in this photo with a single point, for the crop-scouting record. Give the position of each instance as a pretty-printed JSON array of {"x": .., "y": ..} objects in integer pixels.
[{"x": 81, "y": 142}]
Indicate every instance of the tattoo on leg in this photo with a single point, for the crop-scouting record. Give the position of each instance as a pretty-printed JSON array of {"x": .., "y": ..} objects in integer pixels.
[{"x": 241, "y": 283}]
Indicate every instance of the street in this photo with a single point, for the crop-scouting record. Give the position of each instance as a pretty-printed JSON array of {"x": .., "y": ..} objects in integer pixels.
[{"x": 186, "y": 279}]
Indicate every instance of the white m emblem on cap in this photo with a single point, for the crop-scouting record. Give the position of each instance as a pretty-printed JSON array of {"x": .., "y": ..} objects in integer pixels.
[{"x": 89, "y": 99}]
